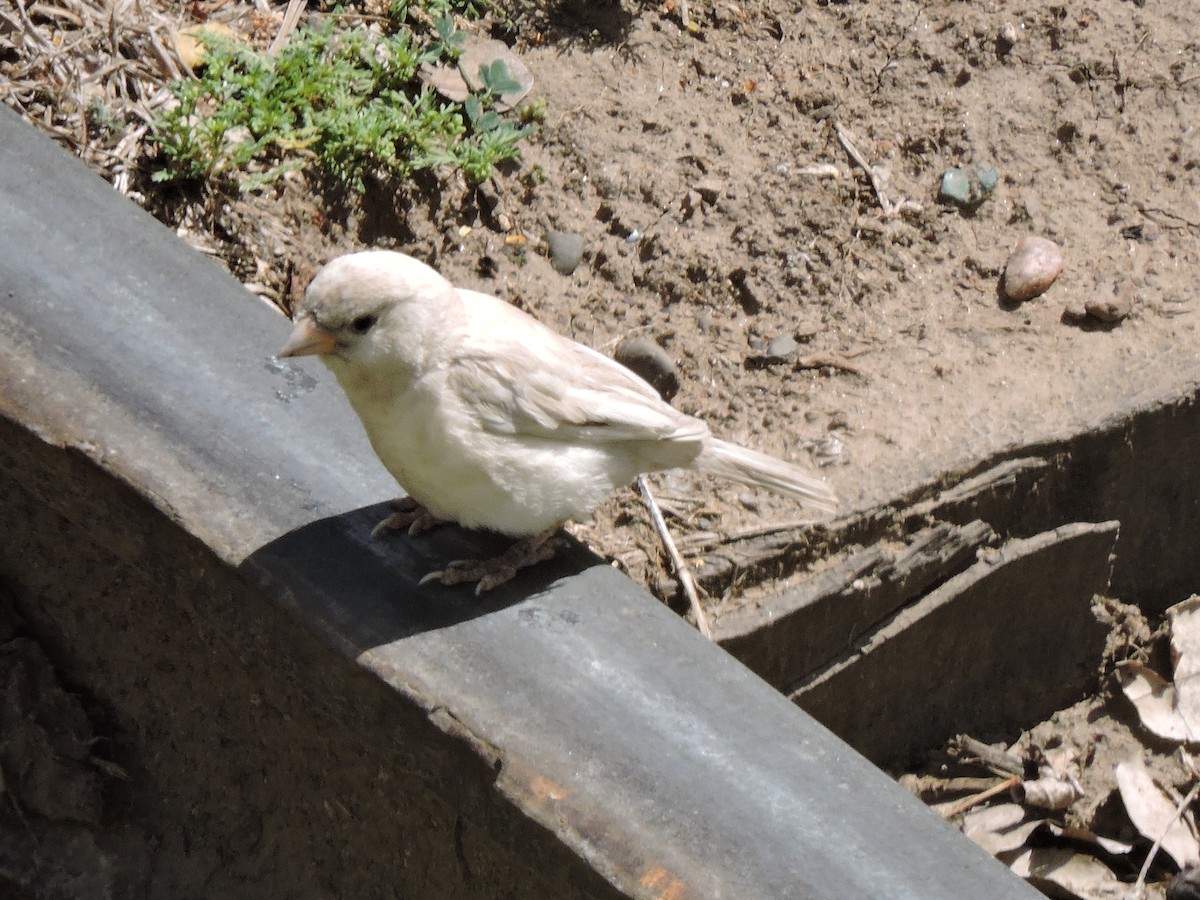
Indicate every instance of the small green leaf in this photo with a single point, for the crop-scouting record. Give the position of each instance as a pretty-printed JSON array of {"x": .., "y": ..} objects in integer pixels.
[
  {"x": 497, "y": 79},
  {"x": 474, "y": 110},
  {"x": 450, "y": 38}
]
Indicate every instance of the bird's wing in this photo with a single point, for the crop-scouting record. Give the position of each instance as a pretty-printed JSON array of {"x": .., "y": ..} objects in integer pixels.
[{"x": 521, "y": 378}]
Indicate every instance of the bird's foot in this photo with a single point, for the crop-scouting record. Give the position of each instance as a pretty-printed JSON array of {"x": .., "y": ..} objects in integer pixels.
[
  {"x": 487, "y": 574},
  {"x": 409, "y": 515}
]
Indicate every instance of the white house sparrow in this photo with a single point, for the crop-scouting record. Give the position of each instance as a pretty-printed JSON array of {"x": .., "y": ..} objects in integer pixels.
[{"x": 489, "y": 419}]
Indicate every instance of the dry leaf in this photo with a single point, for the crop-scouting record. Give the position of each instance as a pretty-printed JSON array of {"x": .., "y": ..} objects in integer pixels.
[
  {"x": 1048, "y": 792},
  {"x": 1185, "y": 654},
  {"x": 1154, "y": 815},
  {"x": 189, "y": 47},
  {"x": 1157, "y": 704},
  {"x": 1060, "y": 872},
  {"x": 1171, "y": 710},
  {"x": 1184, "y": 619},
  {"x": 1083, "y": 835},
  {"x": 999, "y": 829}
]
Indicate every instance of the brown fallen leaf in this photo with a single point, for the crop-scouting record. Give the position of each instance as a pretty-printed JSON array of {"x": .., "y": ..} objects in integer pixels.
[
  {"x": 1158, "y": 703},
  {"x": 1047, "y": 792},
  {"x": 1060, "y": 872},
  {"x": 1154, "y": 813},
  {"x": 999, "y": 829},
  {"x": 191, "y": 50}
]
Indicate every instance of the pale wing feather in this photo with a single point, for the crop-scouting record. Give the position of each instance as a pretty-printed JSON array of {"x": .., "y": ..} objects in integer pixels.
[{"x": 550, "y": 387}]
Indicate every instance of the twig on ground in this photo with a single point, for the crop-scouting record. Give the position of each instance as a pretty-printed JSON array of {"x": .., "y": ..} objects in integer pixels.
[
  {"x": 167, "y": 58},
  {"x": 31, "y": 32},
  {"x": 997, "y": 760},
  {"x": 820, "y": 170},
  {"x": 975, "y": 799},
  {"x": 701, "y": 541},
  {"x": 681, "y": 569},
  {"x": 827, "y": 361},
  {"x": 290, "y": 17},
  {"x": 889, "y": 208},
  {"x": 929, "y": 787}
]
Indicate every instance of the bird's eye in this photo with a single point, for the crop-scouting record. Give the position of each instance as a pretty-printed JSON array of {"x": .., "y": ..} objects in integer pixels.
[{"x": 363, "y": 324}]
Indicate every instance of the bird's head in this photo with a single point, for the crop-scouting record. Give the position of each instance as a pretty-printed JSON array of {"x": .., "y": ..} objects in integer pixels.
[{"x": 368, "y": 311}]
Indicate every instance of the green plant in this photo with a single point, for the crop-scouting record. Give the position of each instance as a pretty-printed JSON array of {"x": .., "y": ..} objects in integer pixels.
[
  {"x": 348, "y": 102},
  {"x": 437, "y": 8},
  {"x": 450, "y": 40},
  {"x": 534, "y": 111},
  {"x": 492, "y": 139}
]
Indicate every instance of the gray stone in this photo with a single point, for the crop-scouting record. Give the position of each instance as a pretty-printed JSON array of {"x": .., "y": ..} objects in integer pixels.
[
  {"x": 566, "y": 250},
  {"x": 650, "y": 362}
]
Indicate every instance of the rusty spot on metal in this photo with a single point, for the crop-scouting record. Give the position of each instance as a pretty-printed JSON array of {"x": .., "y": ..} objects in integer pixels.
[
  {"x": 545, "y": 789},
  {"x": 662, "y": 884}
]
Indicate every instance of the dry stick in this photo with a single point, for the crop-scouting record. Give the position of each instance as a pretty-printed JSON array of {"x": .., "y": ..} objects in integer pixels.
[
  {"x": 998, "y": 760},
  {"x": 681, "y": 569},
  {"x": 290, "y": 17},
  {"x": 889, "y": 208},
  {"x": 855, "y": 154},
  {"x": 924, "y": 786},
  {"x": 31, "y": 31},
  {"x": 976, "y": 799},
  {"x": 827, "y": 361},
  {"x": 1139, "y": 886},
  {"x": 684, "y": 15},
  {"x": 164, "y": 56},
  {"x": 703, "y": 538}
]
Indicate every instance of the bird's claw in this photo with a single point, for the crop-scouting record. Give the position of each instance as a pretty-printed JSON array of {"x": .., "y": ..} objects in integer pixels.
[
  {"x": 409, "y": 515},
  {"x": 488, "y": 574},
  {"x": 432, "y": 576}
]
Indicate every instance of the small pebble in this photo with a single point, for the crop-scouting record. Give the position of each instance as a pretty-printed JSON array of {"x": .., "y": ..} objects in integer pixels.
[
  {"x": 806, "y": 330},
  {"x": 650, "y": 362},
  {"x": 988, "y": 179},
  {"x": 1112, "y": 308},
  {"x": 750, "y": 501},
  {"x": 784, "y": 345},
  {"x": 969, "y": 187},
  {"x": 1006, "y": 39},
  {"x": 566, "y": 250},
  {"x": 709, "y": 189},
  {"x": 956, "y": 186},
  {"x": 1031, "y": 268}
]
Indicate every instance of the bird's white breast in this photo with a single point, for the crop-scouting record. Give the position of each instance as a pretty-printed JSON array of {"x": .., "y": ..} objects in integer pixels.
[{"x": 433, "y": 445}]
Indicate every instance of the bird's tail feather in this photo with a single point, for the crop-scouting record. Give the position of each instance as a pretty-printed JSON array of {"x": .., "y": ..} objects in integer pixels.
[{"x": 747, "y": 466}]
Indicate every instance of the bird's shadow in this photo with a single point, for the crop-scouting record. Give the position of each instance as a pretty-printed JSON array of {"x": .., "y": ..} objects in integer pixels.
[{"x": 365, "y": 591}]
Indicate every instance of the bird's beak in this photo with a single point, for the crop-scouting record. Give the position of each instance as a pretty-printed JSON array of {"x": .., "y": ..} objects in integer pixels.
[{"x": 308, "y": 339}]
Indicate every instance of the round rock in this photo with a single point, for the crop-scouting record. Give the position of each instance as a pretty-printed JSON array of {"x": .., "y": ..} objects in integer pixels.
[
  {"x": 1110, "y": 308},
  {"x": 566, "y": 250},
  {"x": 1031, "y": 269},
  {"x": 784, "y": 345},
  {"x": 650, "y": 362}
]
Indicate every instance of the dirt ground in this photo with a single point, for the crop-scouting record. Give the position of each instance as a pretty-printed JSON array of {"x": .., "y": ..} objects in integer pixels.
[{"x": 810, "y": 313}]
